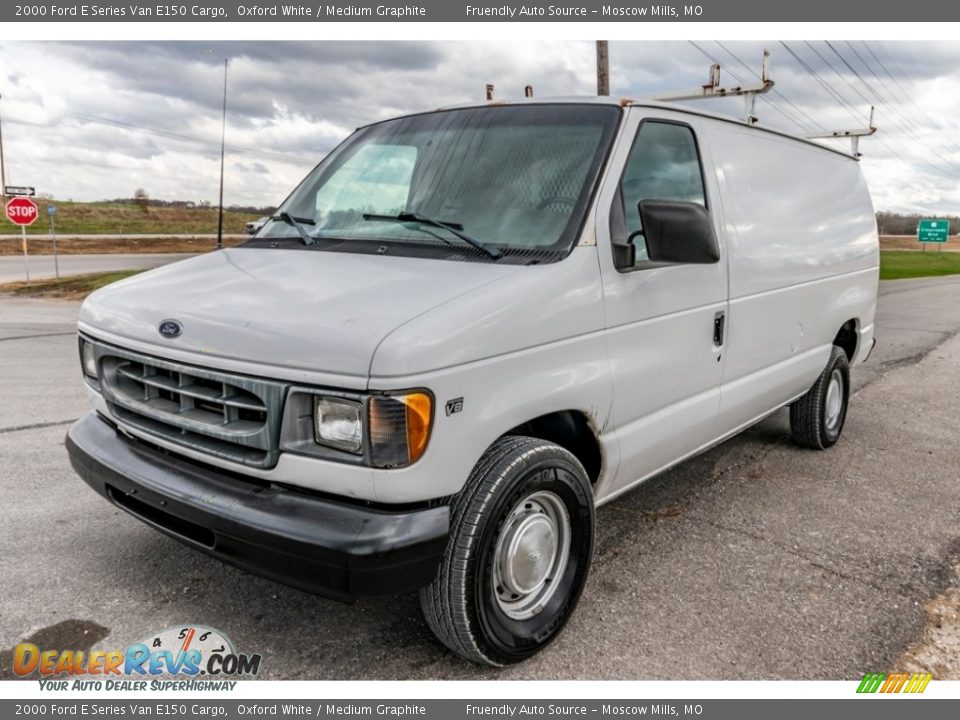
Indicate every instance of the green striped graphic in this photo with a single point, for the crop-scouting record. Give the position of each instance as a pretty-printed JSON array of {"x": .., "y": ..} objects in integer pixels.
[{"x": 871, "y": 682}]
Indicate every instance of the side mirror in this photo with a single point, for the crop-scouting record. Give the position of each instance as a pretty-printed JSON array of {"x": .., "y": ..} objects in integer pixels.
[{"x": 678, "y": 232}]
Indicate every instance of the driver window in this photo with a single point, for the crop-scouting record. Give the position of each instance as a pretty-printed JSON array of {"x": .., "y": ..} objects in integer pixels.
[{"x": 663, "y": 165}]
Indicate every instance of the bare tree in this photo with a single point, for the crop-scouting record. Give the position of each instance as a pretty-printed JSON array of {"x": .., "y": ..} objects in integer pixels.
[{"x": 142, "y": 199}]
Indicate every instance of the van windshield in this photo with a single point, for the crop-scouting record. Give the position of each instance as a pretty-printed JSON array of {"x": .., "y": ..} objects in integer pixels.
[{"x": 514, "y": 179}]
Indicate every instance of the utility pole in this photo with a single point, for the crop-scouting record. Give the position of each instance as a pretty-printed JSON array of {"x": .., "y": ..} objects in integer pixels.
[
  {"x": 223, "y": 139},
  {"x": 3, "y": 170},
  {"x": 52, "y": 213},
  {"x": 603, "y": 68}
]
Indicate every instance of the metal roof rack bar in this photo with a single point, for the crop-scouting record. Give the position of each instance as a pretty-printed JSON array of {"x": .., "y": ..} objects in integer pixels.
[
  {"x": 713, "y": 89},
  {"x": 853, "y": 135}
]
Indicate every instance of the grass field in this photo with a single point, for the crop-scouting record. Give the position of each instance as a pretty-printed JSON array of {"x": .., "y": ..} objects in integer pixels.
[
  {"x": 115, "y": 218},
  {"x": 898, "y": 264},
  {"x": 75, "y": 287},
  {"x": 909, "y": 242}
]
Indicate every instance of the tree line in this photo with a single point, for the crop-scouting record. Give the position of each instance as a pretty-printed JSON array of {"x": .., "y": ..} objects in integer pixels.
[
  {"x": 891, "y": 223},
  {"x": 142, "y": 199}
]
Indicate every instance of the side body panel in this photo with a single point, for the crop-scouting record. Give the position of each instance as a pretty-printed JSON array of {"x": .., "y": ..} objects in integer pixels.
[
  {"x": 665, "y": 368},
  {"x": 529, "y": 345},
  {"x": 804, "y": 259}
]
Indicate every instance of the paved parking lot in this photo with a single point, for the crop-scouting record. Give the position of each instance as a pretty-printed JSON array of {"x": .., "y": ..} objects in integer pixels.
[{"x": 757, "y": 560}]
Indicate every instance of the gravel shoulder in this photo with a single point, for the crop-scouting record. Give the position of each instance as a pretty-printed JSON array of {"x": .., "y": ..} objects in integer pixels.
[{"x": 938, "y": 651}]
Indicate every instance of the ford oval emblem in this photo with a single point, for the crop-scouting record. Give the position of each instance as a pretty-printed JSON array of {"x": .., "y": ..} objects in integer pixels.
[{"x": 170, "y": 328}]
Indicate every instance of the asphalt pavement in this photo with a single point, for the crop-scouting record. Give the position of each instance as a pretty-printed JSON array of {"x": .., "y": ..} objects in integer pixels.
[
  {"x": 757, "y": 560},
  {"x": 42, "y": 266}
]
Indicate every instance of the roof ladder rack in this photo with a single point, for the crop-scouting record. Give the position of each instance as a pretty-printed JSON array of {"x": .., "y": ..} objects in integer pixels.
[
  {"x": 853, "y": 135},
  {"x": 713, "y": 89}
]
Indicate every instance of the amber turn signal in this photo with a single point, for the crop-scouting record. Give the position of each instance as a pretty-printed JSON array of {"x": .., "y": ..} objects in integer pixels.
[
  {"x": 419, "y": 415},
  {"x": 399, "y": 428}
]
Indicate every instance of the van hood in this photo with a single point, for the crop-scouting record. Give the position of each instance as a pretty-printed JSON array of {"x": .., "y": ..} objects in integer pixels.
[{"x": 299, "y": 309}]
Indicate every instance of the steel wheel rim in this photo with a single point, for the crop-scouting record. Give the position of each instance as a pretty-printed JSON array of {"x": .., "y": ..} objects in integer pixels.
[
  {"x": 531, "y": 554},
  {"x": 834, "y": 402}
]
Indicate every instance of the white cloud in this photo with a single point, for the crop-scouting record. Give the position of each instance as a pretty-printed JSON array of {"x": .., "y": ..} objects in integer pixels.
[{"x": 97, "y": 120}]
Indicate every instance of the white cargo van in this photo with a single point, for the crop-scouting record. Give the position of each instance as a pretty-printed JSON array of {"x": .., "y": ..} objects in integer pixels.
[{"x": 466, "y": 329}]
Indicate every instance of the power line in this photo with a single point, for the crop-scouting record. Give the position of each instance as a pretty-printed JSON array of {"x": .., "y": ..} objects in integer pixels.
[
  {"x": 889, "y": 74},
  {"x": 740, "y": 80},
  {"x": 836, "y": 72},
  {"x": 932, "y": 120},
  {"x": 904, "y": 124},
  {"x": 839, "y": 98},
  {"x": 775, "y": 91},
  {"x": 878, "y": 100},
  {"x": 826, "y": 86},
  {"x": 897, "y": 66},
  {"x": 853, "y": 69},
  {"x": 836, "y": 95},
  {"x": 843, "y": 102},
  {"x": 907, "y": 124}
]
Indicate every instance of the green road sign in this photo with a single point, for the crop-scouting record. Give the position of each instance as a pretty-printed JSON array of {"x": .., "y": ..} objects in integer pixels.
[{"x": 933, "y": 231}]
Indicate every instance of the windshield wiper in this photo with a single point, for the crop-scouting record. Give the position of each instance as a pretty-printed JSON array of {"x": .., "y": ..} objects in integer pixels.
[
  {"x": 297, "y": 223},
  {"x": 453, "y": 228}
]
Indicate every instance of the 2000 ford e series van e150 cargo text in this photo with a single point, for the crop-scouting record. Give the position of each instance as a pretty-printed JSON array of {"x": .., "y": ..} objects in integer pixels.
[{"x": 463, "y": 331}]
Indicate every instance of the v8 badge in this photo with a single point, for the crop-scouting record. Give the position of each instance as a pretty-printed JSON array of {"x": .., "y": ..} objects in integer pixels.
[{"x": 454, "y": 406}]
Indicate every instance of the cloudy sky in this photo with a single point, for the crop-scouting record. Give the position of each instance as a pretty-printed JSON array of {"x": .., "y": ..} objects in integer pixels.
[{"x": 89, "y": 121}]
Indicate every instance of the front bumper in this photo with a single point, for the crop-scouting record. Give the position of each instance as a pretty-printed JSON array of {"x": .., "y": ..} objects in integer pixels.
[{"x": 317, "y": 544}]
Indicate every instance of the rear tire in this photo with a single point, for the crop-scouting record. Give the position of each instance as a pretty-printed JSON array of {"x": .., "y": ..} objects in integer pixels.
[
  {"x": 521, "y": 542},
  {"x": 816, "y": 419}
]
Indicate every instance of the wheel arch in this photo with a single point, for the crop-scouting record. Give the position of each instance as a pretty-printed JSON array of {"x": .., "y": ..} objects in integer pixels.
[
  {"x": 848, "y": 338},
  {"x": 572, "y": 430}
]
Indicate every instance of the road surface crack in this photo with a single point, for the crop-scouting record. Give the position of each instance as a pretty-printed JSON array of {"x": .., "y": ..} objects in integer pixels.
[
  {"x": 797, "y": 554},
  {"x": 38, "y": 335},
  {"x": 37, "y": 426}
]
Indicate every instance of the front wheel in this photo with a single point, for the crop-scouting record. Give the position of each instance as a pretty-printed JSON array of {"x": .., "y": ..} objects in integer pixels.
[
  {"x": 520, "y": 547},
  {"x": 816, "y": 419}
]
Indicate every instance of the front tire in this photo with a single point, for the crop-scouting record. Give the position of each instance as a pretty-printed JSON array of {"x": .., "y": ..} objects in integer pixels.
[
  {"x": 520, "y": 547},
  {"x": 816, "y": 419}
]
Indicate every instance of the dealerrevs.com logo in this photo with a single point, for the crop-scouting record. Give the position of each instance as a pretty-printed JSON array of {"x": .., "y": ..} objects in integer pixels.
[
  {"x": 195, "y": 656},
  {"x": 910, "y": 683}
]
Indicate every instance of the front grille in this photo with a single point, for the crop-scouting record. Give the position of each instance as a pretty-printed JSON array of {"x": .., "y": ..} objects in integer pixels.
[{"x": 231, "y": 416}]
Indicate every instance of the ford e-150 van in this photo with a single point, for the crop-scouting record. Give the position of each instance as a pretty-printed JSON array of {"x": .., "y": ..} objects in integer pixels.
[{"x": 466, "y": 329}]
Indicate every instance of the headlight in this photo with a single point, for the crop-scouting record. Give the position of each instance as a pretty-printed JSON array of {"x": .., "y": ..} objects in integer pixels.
[
  {"x": 399, "y": 428},
  {"x": 379, "y": 430},
  {"x": 87, "y": 359},
  {"x": 338, "y": 424}
]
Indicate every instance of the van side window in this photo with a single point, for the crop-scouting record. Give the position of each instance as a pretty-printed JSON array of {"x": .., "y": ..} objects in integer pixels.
[{"x": 664, "y": 164}]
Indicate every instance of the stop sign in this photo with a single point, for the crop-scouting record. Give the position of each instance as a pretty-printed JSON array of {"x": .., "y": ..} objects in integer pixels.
[{"x": 22, "y": 211}]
